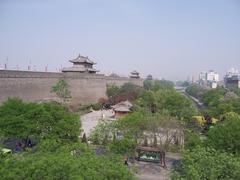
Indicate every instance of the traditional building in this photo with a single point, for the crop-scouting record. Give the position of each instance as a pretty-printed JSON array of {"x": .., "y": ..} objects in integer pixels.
[
  {"x": 149, "y": 77},
  {"x": 82, "y": 64},
  {"x": 134, "y": 74},
  {"x": 122, "y": 108}
]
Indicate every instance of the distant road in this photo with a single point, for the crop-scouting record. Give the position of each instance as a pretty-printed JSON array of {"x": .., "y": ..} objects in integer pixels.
[{"x": 182, "y": 90}]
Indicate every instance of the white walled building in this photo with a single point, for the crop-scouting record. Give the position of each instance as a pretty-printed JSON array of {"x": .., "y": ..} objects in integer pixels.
[
  {"x": 212, "y": 76},
  {"x": 210, "y": 79}
]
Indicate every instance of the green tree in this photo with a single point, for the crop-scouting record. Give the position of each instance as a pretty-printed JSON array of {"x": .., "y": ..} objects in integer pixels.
[
  {"x": 123, "y": 146},
  {"x": 22, "y": 120},
  {"x": 167, "y": 100},
  {"x": 155, "y": 85},
  {"x": 63, "y": 166},
  {"x": 195, "y": 91},
  {"x": 112, "y": 90},
  {"x": 192, "y": 140},
  {"x": 103, "y": 133},
  {"x": 225, "y": 136},
  {"x": 61, "y": 88},
  {"x": 207, "y": 164},
  {"x": 148, "y": 84},
  {"x": 212, "y": 97}
]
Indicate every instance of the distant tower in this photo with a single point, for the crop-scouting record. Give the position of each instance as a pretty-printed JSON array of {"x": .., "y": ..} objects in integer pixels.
[
  {"x": 134, "y": 74},
  {"x": 149, "y": 77}
]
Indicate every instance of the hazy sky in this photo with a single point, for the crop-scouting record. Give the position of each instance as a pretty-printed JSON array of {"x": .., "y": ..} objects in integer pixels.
[{"x": 169, "y": 39}]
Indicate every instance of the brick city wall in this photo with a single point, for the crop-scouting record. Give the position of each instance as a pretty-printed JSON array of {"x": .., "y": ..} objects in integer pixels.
[{"x": 36, "y": 86}]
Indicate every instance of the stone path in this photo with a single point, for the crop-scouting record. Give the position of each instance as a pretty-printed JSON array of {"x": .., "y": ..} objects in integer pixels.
[
  {"x": 89, "y": 121},
  {"x": 153, "y": 171}
]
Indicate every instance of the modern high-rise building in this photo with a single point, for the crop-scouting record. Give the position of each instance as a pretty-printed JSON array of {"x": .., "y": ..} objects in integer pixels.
[{"x": 210, "y": 78}]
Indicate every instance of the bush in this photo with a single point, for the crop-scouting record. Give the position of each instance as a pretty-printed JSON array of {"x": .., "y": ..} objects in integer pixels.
[
  {"x": 63, "y": 166},
  {"x": 96, "y": 106},
  {"x": 225, "y": 136},
  {"x": 22, "y": 120},
  {"x": 123, "y": 146},
  {"x": 192, "y": 140},
  {"x": 207, "y": 164}
]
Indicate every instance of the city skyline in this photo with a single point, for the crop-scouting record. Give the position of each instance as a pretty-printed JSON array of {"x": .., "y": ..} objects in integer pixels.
[{"x": 170, "y": 40}]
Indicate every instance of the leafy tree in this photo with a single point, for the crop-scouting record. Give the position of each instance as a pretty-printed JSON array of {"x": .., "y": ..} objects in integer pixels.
[
  {"x": 161, "y": 129},
  {"x": 62, "y": 90},
  {"x": 127, "y": 91},
  {"x": 195, "y": 91},
  {"x": 212, "y": 97},
  {"x": 22, "y": 120},
  {"x": 162, "y": 84},
  {"x": 58, "y": 154},
  {"x": 192, "y": 140},
  {"x": 123, "y": 146},
  {"x": 132, "y": 125},
  {"x": 103, "y": 133},
  {"x": 165, "y": 131},
  {"x": 112, "y": 90},
  {"x": 225, "y": 136},
  {"x": 148, "y": 84},
  {"x": 167, "y": 100},
  {"x": 224, "y": 106},
  {"x": 208, "y": 164},
  {"x": 63, "y": 166},
  {"x": 157, "y": 85}
]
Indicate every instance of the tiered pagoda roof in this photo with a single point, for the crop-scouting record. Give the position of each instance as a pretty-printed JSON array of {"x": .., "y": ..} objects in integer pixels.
[
  {"x": 81, "y": 64},
  {"x": 82, "y": 59},
  {"x": 134, "y": 74}
]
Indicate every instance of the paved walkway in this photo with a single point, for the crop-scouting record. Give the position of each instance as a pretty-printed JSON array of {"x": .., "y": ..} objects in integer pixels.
[
  {"x": 89, "y": 121},
  {"x": 153, "y": 171}
]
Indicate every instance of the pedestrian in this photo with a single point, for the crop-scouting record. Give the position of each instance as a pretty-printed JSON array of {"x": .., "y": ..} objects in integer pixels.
[{"x": 126, "y": 160}]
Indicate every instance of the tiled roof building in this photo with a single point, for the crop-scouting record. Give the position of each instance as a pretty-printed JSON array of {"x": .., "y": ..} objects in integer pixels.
[{"x": 81, "y": 64}]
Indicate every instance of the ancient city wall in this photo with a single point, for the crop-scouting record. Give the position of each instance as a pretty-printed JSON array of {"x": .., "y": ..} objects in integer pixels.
[{"x": 36, "y": 86}]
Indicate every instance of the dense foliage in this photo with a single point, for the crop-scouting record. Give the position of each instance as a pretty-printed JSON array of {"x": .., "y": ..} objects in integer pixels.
[
  {"x": 214, "y": 152},
  {"x": 155, "y": 85},
  {"x": 225, "y": 136},
  {"x": 22, "y": 120},
  {"x": 207, "y": 164},
  {"x": 58, "y": 152},
  {"x": 212, "y": 97},
  {"x": 195, "y": 90},
  {"x": 167, "y": 100},
  {"x": 63, "y": 166},
  {"x": 127, "y": 91}
]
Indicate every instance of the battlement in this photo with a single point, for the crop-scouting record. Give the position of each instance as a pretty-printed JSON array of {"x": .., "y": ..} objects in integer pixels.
[{"x": 28, "y": 74}]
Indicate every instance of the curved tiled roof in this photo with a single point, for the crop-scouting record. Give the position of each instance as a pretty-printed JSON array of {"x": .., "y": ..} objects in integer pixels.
[
  {"x": 134, "y": 72},
  {"x": 82, "y": 59},
  {"x": 79, "y": 69}
]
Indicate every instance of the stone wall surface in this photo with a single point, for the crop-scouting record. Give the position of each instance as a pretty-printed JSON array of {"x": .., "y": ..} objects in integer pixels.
[{"x": 36, "y": 86}]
